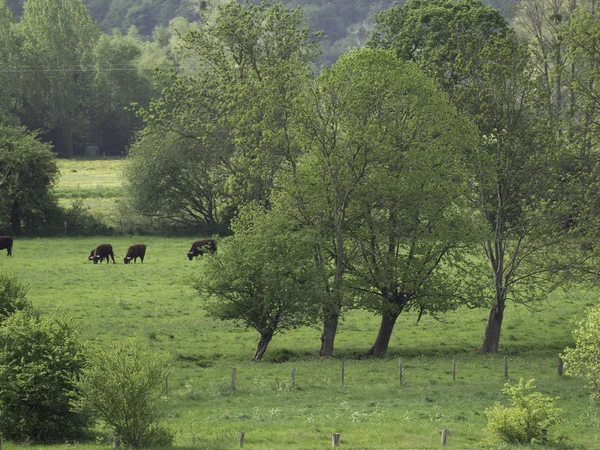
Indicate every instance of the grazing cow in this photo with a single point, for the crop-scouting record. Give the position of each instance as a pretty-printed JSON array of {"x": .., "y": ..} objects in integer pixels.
[
  {"x": 6, "y": 242},
  {"x": 101, "y": 252},
  {"x": 134, "y": 252},
  {"x": 201, "y": 247}
]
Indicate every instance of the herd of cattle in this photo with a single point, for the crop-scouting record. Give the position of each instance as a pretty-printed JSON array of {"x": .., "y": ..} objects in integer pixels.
[{"x": 105, "y": 251}]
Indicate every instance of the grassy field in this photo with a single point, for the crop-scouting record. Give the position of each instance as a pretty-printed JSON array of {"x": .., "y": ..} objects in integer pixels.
[
  {"x": 372, "y": 410},
  {"x": 96, "y": 183}
]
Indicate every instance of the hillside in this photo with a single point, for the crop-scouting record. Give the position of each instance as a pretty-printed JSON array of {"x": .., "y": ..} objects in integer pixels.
[{"x": 345, "y": 24}]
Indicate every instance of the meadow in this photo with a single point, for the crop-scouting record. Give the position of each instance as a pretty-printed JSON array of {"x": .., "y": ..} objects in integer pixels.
[{"x": 372, "y": 410}]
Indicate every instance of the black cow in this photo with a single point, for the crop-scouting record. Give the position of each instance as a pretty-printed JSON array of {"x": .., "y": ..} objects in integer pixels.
[
  {"x": 6, "y": 242},
  {"x": 134, "y": 252},
  {"x": 201, "y": 247},
  {"x": 101, "y": 252}
]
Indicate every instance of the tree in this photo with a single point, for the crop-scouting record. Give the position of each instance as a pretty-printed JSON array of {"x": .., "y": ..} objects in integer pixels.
[
  {"x": 121, "y": 386},
  {"x": 39, "y": 361},
  {"x": 27, "y": 172},
  {"x": 9, "y": 61},
  {"x": 263, "y": 277},
  {"x": 485, "y": 69},
  {"x": 58, "y": 41},
  {"x": 118, "y": 84},
  {"x": 234, "y": 113},
  {"x": 179, "y": 180},
  {"x": 582, "y": 360},
  {"x": 416, "y": 224}
]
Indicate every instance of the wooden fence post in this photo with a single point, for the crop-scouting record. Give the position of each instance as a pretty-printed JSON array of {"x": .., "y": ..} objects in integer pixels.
[
  {"x": 560, "y": 366},
  {"x": 400, "y": 370},
  {"x": 293, "y": 382},
  {"x": 453, "y": 368},
  {"x": 241, "y": 439},
  {"x": 343, "y": 370},
  {"x": 506, "y": 367},
  {"x": 335, "y": 440},
  {"x": 444, "y": 436},
  {"x": 233, "y": 376}
]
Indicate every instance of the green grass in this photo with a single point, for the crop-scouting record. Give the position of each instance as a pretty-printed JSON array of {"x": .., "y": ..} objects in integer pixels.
[
  {"x": 97, "y": 184},
  {"x": 371, "y": 411}
]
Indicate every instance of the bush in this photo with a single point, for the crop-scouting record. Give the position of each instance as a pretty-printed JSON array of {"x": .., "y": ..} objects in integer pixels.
[
  {"x": 39, "y": 358},
  {"x": 120, "y": 386},
  {"x": 584, "y": 358},
  {"x": 527, "y": 416},
  {"x": 12, "y": 296}
]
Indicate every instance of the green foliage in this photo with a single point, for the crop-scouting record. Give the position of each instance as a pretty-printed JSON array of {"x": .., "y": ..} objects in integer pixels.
[
  {"x": 263, "y": 277},
  {"x": 28, "y": 170},
  {"x": 39, "y": 360},
  {"x": 528, "y": 414},
  {"x": 58, "y": 37},
  {"x": 12, "y": 296},
  {"x": 121, "y": 386},
  {"x": 584, "y": 359}
]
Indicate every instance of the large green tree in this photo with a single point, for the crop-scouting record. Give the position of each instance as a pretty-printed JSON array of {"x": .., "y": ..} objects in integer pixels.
[
  {"x": 470, "y": 49},
  {"x": 58, "y": 39},
  {"x": 233, "y": 114}
]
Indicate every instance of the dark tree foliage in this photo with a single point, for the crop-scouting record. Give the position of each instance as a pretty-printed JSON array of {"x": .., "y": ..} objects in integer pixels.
[{"x": 27, "y": 172}]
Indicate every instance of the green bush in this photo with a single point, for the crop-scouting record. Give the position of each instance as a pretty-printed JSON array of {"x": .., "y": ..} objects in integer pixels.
[
  {"x": 120, "y": 386},
  {"x": 39, "y": 358},
  {"x": 12, "y": 296},
  {"x": 583, "y": 360},
  {"x": 528, "y": 414}
]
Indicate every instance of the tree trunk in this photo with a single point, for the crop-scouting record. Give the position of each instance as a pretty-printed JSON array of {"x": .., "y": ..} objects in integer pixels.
[
  {"x": 331, "y": 312},
  {"x": 388, "y": 320},
  {"x": 265, "y": 338},
  {"x": 491, "y": 336},
  {"x": 15, "y": 217},
  {"x": 330, "y": 323}
]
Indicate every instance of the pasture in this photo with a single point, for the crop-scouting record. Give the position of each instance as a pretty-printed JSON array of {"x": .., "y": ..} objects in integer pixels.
[{"x": 372, "y": 410}]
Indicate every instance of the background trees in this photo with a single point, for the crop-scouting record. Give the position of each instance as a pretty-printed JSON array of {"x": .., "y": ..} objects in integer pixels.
[{"x": 58, "y": 42}]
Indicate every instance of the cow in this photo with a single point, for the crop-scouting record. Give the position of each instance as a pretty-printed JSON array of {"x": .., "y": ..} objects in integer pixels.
[
  {"x": 201, "y": 247},
  {"x": 6, "y": 242},
  {"x": 101, "y": 252},
  {"x": 134, "y": 252}
]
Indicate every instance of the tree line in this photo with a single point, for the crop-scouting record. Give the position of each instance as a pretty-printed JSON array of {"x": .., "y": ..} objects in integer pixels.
[{"x": 452, "y": 161}]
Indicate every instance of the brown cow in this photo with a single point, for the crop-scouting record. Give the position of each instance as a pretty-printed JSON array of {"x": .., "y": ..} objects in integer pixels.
[
  {"x": 201, "y": 247},
  {"x": 6, "y": 242},
  {"x": 134, "y": 252},
  {"x": 101, "y": 252}
]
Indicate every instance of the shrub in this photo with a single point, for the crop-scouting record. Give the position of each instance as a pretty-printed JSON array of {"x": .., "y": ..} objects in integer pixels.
[
  {"x": 120, "y": 386},
  {"x": 39, "y": 358},
  {"x": 12, "y": 296},
  {"x": 583, "y": 360},
  {"x": 527, "y": 416}
]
